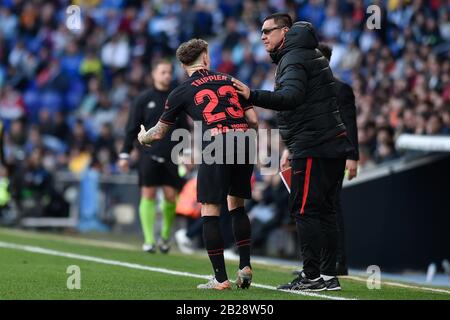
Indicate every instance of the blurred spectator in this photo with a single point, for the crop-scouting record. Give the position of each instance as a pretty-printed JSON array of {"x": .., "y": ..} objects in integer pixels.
[
  {"x": 227, "y": 65},
  {"x": 15, "y": 142},
  {"x": 60, "y": 128},
  {"x": 105, "y": 141},
  {"x": 314, "y": 12},
  {"x": 53, "y": 78},
  {"x": 11, "y": 104},
  {"x": 91, "y": 65},
  {"x": 45, "y": 121},
  {"x": 104, "y": 112},
  {"x": 79, "y": 139},
  {"x": 8, "y": 23},
  {"x": 333, "y": 23},
  {"x": 116, "y": 52},
  {"x": 32, "y": 189},
  {"x": 71, "y": 60},
  {"x": 385, "y": 146}
]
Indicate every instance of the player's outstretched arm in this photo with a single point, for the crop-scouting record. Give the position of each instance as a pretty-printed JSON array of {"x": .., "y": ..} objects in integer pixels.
[{"x": 156, "y": 133}]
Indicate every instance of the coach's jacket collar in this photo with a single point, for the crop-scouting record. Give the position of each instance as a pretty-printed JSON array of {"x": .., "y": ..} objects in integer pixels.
[{"x": 300, "y": 35}]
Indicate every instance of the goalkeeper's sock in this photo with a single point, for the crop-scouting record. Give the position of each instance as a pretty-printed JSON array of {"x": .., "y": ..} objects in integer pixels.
[
  {"x": 214, "y": 246},
  {"x": 242, "y": 235},
  {"x": 168, "y": 211},
  {"x": 147, "y": 213}
]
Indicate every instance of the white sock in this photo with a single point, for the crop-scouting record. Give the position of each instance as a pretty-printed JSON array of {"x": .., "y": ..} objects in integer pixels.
[{"x": 326, "y": 278}]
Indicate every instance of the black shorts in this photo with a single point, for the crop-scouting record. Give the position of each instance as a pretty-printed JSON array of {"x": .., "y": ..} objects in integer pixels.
[
  {"x": 154, "y": 172},
  {"x": 216, "y": 181}
]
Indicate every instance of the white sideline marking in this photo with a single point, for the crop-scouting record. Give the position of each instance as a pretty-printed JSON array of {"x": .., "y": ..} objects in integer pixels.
[
  {"x": 401, "y": 285},
  {"x": 147, "y": 268}
]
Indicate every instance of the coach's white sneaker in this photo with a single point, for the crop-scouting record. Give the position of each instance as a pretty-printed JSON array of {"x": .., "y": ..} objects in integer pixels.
[{"x": 213, "y": 284}]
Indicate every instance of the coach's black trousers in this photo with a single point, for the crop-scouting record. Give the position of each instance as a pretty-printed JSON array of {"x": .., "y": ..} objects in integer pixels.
[{"x": 314, "y": 187}]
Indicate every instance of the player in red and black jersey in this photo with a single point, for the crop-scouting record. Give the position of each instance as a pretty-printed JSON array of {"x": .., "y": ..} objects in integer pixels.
[{"x": 209, "y": 97}]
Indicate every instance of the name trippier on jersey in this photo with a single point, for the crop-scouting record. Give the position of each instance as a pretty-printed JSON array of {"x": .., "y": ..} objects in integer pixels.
[{"x": 215, "y": 77}]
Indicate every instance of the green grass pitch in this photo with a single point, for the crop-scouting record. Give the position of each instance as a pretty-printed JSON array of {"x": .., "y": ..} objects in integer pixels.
[{"x": 27, "y": 274}]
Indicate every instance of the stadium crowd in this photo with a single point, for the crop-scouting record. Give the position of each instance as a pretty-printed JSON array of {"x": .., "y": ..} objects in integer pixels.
[{"x": 67, "y": 92}]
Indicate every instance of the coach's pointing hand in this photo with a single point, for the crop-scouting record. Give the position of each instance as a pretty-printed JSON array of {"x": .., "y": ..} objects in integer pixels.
[{"x": 241, "y": 88}]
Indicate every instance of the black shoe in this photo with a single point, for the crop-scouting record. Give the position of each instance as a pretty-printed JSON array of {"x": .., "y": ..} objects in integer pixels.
[
  {"x": 310, "y": 285},
  {"x": 289, "y": 285},
  {"x": 333, "y": 284},
  {"x": 341, "y": 269},
  {"x": 164, "y": 246}
]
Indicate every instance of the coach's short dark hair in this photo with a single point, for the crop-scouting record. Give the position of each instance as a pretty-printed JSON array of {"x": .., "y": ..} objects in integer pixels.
[
  {"x": 188, "y": 52},
  {"x": 281, "y": 19},
  {"x": 326, "y": 50}
]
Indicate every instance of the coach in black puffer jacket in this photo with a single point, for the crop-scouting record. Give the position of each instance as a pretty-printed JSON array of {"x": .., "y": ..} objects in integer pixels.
[
  {"x": 310, "y": 125},
  {"x": 305, "y": 98}
]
